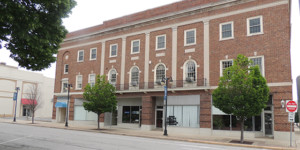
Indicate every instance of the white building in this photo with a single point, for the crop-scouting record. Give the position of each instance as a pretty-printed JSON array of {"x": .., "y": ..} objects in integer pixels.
[{"x": 11, "y": 78}]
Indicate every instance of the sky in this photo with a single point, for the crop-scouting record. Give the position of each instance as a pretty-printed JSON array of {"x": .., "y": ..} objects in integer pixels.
[{"x": 89, "y": 13}]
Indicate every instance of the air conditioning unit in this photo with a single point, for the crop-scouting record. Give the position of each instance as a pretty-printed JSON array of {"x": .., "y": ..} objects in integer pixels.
[
  {"x": 134, "y": 83},
  {"x": 189, "y": 79}
]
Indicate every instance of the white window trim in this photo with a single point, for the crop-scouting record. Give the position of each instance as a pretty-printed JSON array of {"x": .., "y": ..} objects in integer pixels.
[
  {"x": 131, "y": 74},
  {"x": 64, "y": 80},
  {"x": 91, "y": 53},
  {"x": 111, "y": 49},
  {"x": 261, "y": 26},
  {"x": 156, "y": 43},
  {"x": 185, "y": 69},
  {"x": 156, "y": 69},
  {"x": 90, "y": 77},
  {"x": 232, "y": 30},
  {"x": 109, "y": 73},
  {"x": 132, "y": 46},
  {"x": 262, "y": 63},
  {"x": 185, "y": 31},
  {"x": 77, "y": 82},
  {"x": 221, "y": 66},
  {"x": 65, "y": 69},
  {"x": 78, "y": 56}
]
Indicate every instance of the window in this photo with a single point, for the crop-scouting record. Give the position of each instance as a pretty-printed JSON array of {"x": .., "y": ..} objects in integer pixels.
[
  {"x": 259, "y": 62},
  {"x": 113, "y": 77},
  {"x": 186, "y": 116},
  {"x": 66, "y": 69},
  {"x": 190, "y": 71},
  {"x": 190, "y": 37},
  {"x": 224, "y": 65},
  {"x": 92, "y": 79},
  {"x": 226, "y": 30},
  {"x": 254, "y": 26},
  {"x": 160, "y": 42},
  {"x": 134, "y": 76},
  {"x": 160, "y": 73},
  {"x": 131, "y": 114},
  {"x": 113, "y": 50},
  {"x": 64, "y": 86},
  {"x": 135, "y": 46},
  {"x": 78, "y": 82},
  {"x": 93, "y": 54},
  {"x": 80, "y": 56}
]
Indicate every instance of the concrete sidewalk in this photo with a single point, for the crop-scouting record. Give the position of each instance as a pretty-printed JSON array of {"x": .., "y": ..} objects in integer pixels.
[{"x": 265, "y": 143}]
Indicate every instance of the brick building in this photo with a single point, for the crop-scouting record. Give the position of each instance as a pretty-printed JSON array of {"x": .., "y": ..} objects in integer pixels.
[{"x": 191, "y": 41}]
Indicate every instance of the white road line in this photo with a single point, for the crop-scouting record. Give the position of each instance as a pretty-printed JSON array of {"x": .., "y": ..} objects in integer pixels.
[
  {"x": 15, "y": 140},
  {"x": 197, "y": 147}
]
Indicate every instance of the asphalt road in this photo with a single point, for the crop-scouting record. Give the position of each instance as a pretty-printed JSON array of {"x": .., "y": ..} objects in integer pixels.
[{"x": 24, "y": 137}]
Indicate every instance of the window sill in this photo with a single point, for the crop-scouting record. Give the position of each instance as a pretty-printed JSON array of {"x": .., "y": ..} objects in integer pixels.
[
  {"x": 160, "y": 49},
  {"x": 224, "y": 39},
  {"x": 192, "y": 44},
  {"x": 253, "y": 34}
]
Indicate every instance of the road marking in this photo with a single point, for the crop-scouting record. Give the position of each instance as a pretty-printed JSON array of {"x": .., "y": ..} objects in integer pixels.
[
  {"x": 192, "y": 147},
  {"x": 15, "y": 140}
]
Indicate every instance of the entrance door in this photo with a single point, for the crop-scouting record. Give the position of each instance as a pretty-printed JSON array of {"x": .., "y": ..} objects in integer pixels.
[
  {"x": 268, "y": 124},
  {"x": 159, "y": 116}
]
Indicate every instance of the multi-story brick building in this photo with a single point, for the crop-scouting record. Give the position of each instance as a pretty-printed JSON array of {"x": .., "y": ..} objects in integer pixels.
[{"x": 191, "y": 41}]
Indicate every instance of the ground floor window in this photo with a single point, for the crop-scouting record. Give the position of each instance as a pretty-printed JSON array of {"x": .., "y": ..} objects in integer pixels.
[
  {"x": 131, "y": 114},
  {"x": 186, "y": 116},
  {"x": 230, "y": 122},
  {"x": 26, "y": 111},
  {"x": 81, "y": 114}
]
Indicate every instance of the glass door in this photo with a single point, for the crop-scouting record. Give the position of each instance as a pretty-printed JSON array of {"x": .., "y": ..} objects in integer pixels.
[
  {"x": 159, "y": 120},
  {"x": 268, "y": 124}
]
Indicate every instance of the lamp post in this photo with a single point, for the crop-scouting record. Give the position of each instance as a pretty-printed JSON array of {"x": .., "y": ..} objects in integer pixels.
[
  {"x": 16, "y": 99},
  {"x": 67, "y": 111},
  {"x": 165, "y": 81}
]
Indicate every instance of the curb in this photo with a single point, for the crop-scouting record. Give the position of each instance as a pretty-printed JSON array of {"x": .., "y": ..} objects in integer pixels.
[{"x": 158, "y": 137}]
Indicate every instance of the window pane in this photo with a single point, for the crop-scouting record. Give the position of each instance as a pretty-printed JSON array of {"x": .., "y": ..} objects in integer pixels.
[
  {"x": 254, "y": 25},
  {"x": 178, "y": 115},
  {"x": 93, "y": 54},
  {"x": 191, "y": 71},
  {"x": 160, "y": 72},
  {"x": 113, "y": 77},
  {"x": 135, "y": 75},
  {"x": 92, "y": 80},
  {"x": 80, "y": 57},
  {"x": 113, "y": 50},
  {"x": 135, "y": 46},
  {"x": 226, "y": 31},
  {"x": 126, "y": 114},
  {"x": 79, "y": 82},
  {"x": 190, "y": 116},
  {"x": 161, "y": 42},
  {"x": 258, "y": 62},
  {"x": 135, "y": 113},
  {"x": 65, "y": 86},
  {"x": 66, "y": 68},
  {"x": 190, "y": 37},
  {"x": 226, "y": 64}
]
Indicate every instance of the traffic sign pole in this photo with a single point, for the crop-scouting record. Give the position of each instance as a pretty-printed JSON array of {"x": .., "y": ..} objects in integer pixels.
[{"x": 291, "y": 107}]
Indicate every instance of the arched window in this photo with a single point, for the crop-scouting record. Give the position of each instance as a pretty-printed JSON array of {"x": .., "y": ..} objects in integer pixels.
[
  {"x": 190, "y": 71},
  {"x": 113, "y": 77},
  {"x": 134, "y": 76},
  {"x": 160, "y": 72}
]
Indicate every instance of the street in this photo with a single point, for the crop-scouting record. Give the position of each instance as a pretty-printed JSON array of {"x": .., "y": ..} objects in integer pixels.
[{"x": 24, "y": 137}]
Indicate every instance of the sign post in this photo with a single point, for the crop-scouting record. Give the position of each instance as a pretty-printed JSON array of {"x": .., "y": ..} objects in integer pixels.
[{"x": 291, "y": 107}]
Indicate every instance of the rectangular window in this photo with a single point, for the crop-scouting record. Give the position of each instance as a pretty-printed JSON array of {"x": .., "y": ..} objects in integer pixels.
[
  {"x": 259, "y": 62},
  {"x": 80, "y": 56},
  {"x": 255, "y": 25},
  {"x": 66, "y": 69},
  {"x": 160, "y": 42},
  {"x": 92, "y": 79},
  {"x": 93, "y": 54},
  {"x": 186, "y": 116},
  {"x": 79, "y": 82},
  {"x": 226, "y": 30},
  {"x": 64, "y": 86},
  {"x": 224, "y": 65},
  {"x": 135, "y": 46},
  {"x": 190, "y": 37},
  {"x": 131, "y": 114},
  {"x": 113, "y": 50}
]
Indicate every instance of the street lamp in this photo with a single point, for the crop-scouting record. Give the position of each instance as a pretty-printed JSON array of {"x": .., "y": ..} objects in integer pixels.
[
  {"x": 67, "y": 111},
  {"x": 16, "y": 99},
  {"x": 165, "y": 81}
]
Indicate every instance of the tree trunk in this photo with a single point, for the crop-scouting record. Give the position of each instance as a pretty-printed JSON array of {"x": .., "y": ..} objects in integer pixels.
[
  {"x": 32, "y": 119},
  {"x": 242, "y": 129},
  {"x": 98, "y": 121}
]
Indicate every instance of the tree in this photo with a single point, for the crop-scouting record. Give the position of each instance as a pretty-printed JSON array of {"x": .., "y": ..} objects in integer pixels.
[
  {"x": 242, "y": 91},
  {"x": 34, "y": 101},
  {"x": 100, "y": 98},
  {"x": 32, "y": 30}
]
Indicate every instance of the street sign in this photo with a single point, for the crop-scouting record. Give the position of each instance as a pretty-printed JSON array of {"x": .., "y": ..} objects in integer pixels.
[
  {"x": 291, "y": 106},
  {"x": 15, "y": 96},
  {"x": 291, "y": 117}
]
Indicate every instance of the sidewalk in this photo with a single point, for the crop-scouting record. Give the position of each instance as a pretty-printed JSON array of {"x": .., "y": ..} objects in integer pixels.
[{"x": 265, "y": 143}]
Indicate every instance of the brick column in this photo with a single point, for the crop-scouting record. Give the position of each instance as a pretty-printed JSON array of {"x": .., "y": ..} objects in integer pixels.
[
  {"x": 205, "y": 110},
  {"x": 148, "y": 113}
]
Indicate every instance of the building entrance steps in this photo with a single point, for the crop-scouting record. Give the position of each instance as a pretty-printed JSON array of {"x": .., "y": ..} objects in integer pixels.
[{"x": 264, "y": 143}]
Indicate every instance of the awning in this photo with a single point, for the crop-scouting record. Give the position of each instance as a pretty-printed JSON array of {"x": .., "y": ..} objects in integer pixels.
[
  {"x": 60, "y": 104},
  {"x": 28, "y": 101}
]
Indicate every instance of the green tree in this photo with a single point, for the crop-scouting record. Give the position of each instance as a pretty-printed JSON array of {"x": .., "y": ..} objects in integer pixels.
[
  {"x": 32, "y": 30},
  {"x": 100, "y": 98},
  {"x": 242, "y": 91}
]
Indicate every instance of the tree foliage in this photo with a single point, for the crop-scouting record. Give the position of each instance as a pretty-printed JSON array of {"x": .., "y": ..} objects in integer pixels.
[
  {"x": 32, "y": 30},
  {"x": 100, "y": 98},
  {"x": 242, "y": 91}
]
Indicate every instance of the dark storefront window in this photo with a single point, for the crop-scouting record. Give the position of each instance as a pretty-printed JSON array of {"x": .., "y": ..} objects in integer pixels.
[
  {"x": 131, "y": 114},
  {"x": 230, "y": 122}
]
